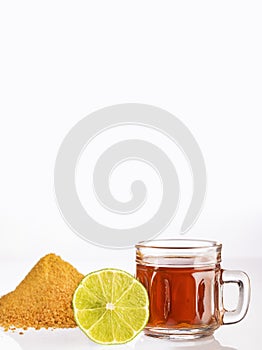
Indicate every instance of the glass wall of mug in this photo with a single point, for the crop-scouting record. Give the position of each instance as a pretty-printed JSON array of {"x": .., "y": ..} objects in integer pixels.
[{"x": 184, "y": 281}]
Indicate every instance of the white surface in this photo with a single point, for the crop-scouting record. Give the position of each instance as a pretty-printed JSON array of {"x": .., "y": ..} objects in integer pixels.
[
  {"x": 241, "y": 336},
  {"x": 61, "y": 60}
]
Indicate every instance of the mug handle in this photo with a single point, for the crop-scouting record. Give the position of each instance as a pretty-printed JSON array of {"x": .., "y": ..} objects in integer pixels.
[{"x": 243, "y": 282}]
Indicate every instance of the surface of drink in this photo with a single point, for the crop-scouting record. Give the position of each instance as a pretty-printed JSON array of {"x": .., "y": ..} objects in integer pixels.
[{"x": 182, "y": 297}]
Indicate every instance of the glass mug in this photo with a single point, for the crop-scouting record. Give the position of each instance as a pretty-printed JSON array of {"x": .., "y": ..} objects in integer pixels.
[{"x": 185, "y": 282}]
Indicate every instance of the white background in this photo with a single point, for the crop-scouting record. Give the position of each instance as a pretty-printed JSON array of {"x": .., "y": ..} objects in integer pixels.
[{"x": 61, "y": 60}]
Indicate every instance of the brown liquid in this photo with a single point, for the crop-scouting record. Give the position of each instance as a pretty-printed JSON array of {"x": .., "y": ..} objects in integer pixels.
[{"x": 181, "y": 297}]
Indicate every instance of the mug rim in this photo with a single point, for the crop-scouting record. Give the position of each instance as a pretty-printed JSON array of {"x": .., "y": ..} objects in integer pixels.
[{"x": 199, "y": 244}]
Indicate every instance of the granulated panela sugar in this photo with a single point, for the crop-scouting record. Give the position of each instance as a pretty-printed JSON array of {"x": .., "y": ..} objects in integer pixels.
[{"x": 43, "y": 298}]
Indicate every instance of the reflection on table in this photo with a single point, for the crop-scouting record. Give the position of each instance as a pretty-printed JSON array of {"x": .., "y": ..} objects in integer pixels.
[
  {"x": 75, "y": 339},
  {"x": 209, "y": 343}
]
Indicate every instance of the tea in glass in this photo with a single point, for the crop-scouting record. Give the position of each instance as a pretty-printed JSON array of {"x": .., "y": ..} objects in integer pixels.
[{"x": 184, "y": 279}]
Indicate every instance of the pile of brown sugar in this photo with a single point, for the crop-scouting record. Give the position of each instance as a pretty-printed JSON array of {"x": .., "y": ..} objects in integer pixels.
[{"x": 43, "y": 298}]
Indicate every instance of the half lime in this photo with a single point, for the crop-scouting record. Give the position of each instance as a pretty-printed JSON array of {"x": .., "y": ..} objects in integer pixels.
[{"x": 111, "y": 306}]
